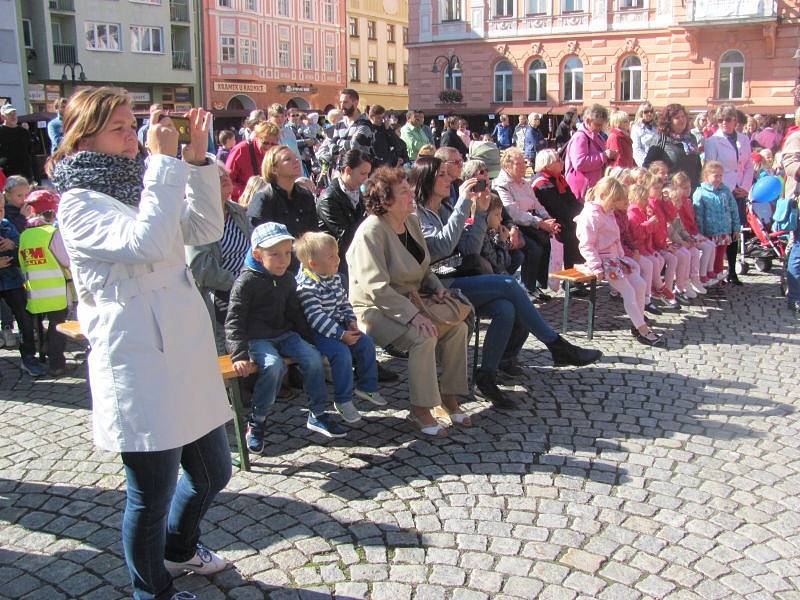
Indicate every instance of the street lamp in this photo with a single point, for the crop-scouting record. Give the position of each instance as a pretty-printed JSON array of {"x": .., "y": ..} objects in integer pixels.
[
  {"x": 452, "y": 61},
  {"x": 71, "y": 67}
]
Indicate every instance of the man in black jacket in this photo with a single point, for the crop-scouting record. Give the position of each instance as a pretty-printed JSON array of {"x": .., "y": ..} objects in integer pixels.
[
  {"x": 387, "y": 148},
  {"x": 15, "y": 145},
  {"x": 450, "y": 138}
]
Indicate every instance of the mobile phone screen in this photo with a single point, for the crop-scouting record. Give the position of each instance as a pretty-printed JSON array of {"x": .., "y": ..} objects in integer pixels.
[{"x": 182, "y": 125}]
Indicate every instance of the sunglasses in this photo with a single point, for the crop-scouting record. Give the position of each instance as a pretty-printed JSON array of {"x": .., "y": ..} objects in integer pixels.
[
  {"x": 294, "y": 115},
  {"x": 647, "y": 112}
]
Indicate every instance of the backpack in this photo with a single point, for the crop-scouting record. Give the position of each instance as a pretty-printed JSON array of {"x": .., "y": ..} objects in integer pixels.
[{"x": 785, "y": 216}]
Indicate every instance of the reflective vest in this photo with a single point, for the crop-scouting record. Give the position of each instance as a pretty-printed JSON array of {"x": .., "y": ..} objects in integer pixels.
[{"x": 44, "y": 277}]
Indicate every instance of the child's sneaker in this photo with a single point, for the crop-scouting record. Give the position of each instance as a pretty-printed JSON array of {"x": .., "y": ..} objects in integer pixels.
[
  {"x": 348, "y": 411},
  {"x": 698, "y": 287},
  {"x": 689, "y": 293},
  {"x": 324, "y": 424},
  {"x": 255, "y": 437},
  {"x": 668, "y": 298},
  {"x": 374, "y": 397},
  {"x": 651, "y": 308},
  {"x": 32, "y": 366}
]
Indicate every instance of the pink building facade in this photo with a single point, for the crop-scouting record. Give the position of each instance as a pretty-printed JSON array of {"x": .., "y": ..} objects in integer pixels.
[
  {"x": 519, "y": 56},
  {"x": 258, "y": 52}
]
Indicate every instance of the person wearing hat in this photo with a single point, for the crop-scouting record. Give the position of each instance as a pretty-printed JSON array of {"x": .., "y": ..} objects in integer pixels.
[
  {"x": 44, "y": 263},
  {"x": 266, "y": 324},
  {"x": 15, "y": 145}
]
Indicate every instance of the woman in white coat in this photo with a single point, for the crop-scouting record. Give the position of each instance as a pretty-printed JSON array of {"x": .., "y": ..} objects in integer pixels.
[
  {"x": 732, "y": 149},
  {"x": 157, "y": 396}
]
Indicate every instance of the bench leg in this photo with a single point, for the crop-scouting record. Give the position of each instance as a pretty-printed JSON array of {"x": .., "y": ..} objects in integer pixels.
[
  {"x": 592, "y": 298},
  {"x": 476, "y": 350},
  {"x": 234, "y": 393},
  {"x": 567, "y": 289}
]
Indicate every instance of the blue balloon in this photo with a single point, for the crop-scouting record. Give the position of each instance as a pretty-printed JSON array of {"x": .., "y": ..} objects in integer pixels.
[{"x": 766, "y": 189}]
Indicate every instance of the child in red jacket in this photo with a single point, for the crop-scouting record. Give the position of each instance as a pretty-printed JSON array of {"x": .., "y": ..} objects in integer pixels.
[{"x": 646, "y": 264}]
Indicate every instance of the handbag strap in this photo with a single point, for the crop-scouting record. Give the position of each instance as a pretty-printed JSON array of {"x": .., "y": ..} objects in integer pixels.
[{"x": 253, "y": 160}]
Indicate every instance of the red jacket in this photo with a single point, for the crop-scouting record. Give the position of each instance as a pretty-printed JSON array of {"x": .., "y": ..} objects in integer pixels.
[
  {"x": 625, "y": 232},
  {"x": 665, "y": 214},
  {"x": 686, "y": 213},
  {"x": 240, "y": 165},
  {"x": 621, "y": 142},
  {"x": 641, "y": 229}
]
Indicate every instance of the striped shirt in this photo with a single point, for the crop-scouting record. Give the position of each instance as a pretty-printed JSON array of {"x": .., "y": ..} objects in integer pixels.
[
  {"x": 325, "y": 304},
  {"x": 234, "y": 246}
]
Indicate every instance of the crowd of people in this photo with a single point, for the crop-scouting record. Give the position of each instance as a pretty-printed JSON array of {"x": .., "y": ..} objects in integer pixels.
[{"x": 314, "y": 241}]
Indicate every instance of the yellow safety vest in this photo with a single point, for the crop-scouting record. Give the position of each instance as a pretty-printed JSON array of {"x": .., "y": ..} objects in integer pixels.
[{"x": 44, "y": 278}]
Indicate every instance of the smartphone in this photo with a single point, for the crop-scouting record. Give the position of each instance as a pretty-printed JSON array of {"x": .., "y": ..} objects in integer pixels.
[
  {"x": 479, "y": 186},
  {"x": 182, "y": 125}
]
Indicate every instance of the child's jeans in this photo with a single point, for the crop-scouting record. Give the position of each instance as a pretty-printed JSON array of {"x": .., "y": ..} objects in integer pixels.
[
  {"x": 341, "y": 358},
  {"x": 683, "y": 267},
  {"x": 632, "y": 288},
  {"x": 646, "y": 266},
  {"x": 707, "y": 251},
  {"x": 269, "y": 355}
]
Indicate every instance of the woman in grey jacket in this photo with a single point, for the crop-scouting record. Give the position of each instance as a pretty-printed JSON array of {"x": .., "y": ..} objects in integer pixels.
[{"x": 498, "y": 297}]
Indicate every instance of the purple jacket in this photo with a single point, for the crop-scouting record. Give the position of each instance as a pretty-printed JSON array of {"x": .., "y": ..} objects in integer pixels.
[{"x": 585, "y": 161}]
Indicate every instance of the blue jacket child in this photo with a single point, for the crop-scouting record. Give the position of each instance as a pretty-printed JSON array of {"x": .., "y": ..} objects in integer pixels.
[{"x": 715, "y": 210}]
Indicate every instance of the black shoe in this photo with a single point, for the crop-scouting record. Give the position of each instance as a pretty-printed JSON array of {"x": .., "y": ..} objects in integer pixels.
[
  {"x": 394, "y": 352},
  {"x": 652, "y": 309},
  {"x": 512, "y": 368},
  {"x": 385, "y": 375},
  {"x": 565, "y": 354},
  {"x": 733, "y": 279},
  {"x": 652, "y": 339},
  {"x": 576, "y": 290},
  {"x": 486, "y": 385},
  {"x": 540, "y": 296}
]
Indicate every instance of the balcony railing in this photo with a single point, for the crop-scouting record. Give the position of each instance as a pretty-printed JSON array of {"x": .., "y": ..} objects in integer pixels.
[
  {"x": 181, "y": 60},
  {"x": 731, "y": 10},
  {"x": 63, "y": 5},
  {"x": 178, "y": 11},
  {"x": 63, "y": 54}
]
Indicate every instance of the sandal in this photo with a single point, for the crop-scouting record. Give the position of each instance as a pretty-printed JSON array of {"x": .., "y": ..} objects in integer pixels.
[
  {"x": 456, "y": 418},
  {"x": 437, "y": 430}
]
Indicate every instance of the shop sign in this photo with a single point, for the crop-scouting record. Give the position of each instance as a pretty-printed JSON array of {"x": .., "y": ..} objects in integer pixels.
[
  {"x": 183, "y": 106},
  {"x": 52, "y": 91},
  {"x": 36, "y": 92},
  {"x": 297, "y": 89},
  {"x": 243, "y": 88},
  {"x": 183, "y": 94},
  {"x": 140, "y": 97}
]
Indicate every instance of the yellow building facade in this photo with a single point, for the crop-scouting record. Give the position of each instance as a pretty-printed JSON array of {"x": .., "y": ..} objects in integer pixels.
[{"x": 377, "y": 59}]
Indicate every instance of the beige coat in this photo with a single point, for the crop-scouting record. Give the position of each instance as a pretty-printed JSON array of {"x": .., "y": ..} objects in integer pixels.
[{"x": 382, "y": 273}]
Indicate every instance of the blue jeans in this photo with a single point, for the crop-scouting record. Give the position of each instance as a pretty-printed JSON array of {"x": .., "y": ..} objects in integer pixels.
[
  {"x": 341, "y": 357},
  {"x": 504, "y": 301},
  {"x": 269, "y": 355},
  {"x": 162, "y": 517},
  {"x": 793, "y": 273}
]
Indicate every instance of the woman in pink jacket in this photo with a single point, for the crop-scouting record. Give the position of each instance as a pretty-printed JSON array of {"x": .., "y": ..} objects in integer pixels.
[
  {"x": 601, "y": 246},
  {"x": 587, "y": 156}
]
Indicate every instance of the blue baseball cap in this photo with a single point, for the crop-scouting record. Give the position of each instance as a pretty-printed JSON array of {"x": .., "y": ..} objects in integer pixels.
[{"x": 268, "y": 234}]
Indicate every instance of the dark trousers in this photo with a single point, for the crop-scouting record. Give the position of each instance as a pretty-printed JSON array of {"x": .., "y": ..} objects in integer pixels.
[
  {"x": 536, "y": 264},
  {"x": 17, "y": 301},
  {"x": 52, "y": 343}
]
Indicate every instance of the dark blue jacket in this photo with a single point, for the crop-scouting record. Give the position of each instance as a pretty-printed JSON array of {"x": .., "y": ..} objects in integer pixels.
[
  {"x": 502, "y": 136},
  {"x": 10, "y": 276},
  {"x": 534, "y": 141}
]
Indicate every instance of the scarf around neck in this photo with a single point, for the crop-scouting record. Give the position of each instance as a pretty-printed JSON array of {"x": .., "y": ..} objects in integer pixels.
[{"x": 117, "y": 176}]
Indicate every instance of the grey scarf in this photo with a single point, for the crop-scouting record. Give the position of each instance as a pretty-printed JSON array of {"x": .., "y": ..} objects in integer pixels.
[{"x": 117, "y": 176}]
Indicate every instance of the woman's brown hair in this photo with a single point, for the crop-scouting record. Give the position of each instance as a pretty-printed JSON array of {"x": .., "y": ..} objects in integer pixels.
[
  {"x": 378, "y": 197},
  {"x": 87, "y": 114}
]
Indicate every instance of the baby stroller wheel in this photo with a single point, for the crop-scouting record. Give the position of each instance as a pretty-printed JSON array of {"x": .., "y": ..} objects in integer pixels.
[
  {"x": 763, "y": 265},
  {"x": 742, "y": 267}
]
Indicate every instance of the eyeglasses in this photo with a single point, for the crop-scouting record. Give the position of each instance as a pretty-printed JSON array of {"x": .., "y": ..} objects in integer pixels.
[{"x": 294, "y": 115}]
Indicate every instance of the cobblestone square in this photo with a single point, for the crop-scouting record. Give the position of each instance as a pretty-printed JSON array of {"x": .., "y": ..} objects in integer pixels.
[{"x": 652, "y": 474}]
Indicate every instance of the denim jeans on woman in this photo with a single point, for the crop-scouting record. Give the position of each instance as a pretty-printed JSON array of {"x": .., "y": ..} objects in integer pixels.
[
  {"x": 500, "y": 298},
  {"x": 162, "y": 513},
  {"x": 793, "y": 273}
]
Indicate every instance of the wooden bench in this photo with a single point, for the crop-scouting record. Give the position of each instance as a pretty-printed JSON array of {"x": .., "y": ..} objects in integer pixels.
[
  {"x": 72, "y": 330},
  {"x": 570, "y": 277}
]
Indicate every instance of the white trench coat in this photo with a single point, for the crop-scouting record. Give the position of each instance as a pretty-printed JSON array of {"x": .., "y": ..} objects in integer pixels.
[{"x": 153, "y": 368}]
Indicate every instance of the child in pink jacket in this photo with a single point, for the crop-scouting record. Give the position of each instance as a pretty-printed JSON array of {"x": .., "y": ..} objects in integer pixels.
[{"x": 601, "y": 247}]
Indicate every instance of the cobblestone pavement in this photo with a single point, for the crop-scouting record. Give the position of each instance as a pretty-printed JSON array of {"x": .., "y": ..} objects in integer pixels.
[{"x": 654, "y": 474}]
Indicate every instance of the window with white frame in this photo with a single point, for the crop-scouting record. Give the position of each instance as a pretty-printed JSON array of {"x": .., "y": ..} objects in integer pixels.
[
  {"x": 104, "y": 37},
  {"x": 225, "y": 3},
  {"x": 372, "y": 30},
  {"x": 252, "y": 5},
  {"x": 390, "y": 33},
  {"x": 452, "y": 77},
  {"x": 308, "y": 10},
  {"x": 308, "y": 57},
  {"x": 353, "y": 26},
  {"x": 154, "y": 2},
  {"x": 284, "y": 54},
  {"x": 503, "y": 81},
  {"x": 372, "y": 71},
  {"x": 536, "y": 7},
  {"x": 570, "y": 6},
  {"x": 227, "y": 49},
  {"x": 327, "y": 10},
  {"x": 391, "y": 74},
  {"x": 451, "y": 10},
  {"x": 330, "y": 59},
  {"x": 27, "y": 33},
  {"x": 631, "y": 4},
  {"x": 630, "y": 79},
  {"x": 503, "y": 8},
  {"x": 537, "y": 81},
  {"x": 573, "y": 80},
  {"x": 354, "y": 70},
  {"x": 283, "y": 8},
  {"x": 731, "y": 76},
  {"x": 244, "y": 51},
  {"x": 146, "y": 39}
]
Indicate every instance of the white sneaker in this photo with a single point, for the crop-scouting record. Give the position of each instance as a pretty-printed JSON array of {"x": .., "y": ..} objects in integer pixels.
[
  {"x": 374, "y": 397},
  {"x": 690, "y": 293},
  {"x": 204, "y": 562},
  {"x": 348, "y": 411},
  {"x": 183, "y": 596},
  {"x": 698, "y": 288},
  {"x": 10, "y": 338}
]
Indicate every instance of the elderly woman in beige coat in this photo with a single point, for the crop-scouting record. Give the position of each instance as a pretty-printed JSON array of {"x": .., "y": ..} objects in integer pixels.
[{"x": 387, "y": 260}]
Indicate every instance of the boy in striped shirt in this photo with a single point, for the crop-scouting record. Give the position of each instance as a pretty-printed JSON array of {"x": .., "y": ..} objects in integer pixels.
[{"x": 333, "y": 322}]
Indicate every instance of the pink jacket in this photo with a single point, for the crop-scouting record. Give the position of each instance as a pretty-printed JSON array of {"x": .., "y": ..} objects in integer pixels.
[
  {"x": 598, "y": 237},
  {"x": 585, "y": 161}
]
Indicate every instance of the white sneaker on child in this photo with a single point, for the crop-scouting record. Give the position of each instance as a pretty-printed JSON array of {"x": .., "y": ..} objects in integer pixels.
[
  {"x": 374, "y": 397},
  {"x": 699, "y": 288},
  {"x": 690, "y": 293},
  {"x": 348, "y": 411}
]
